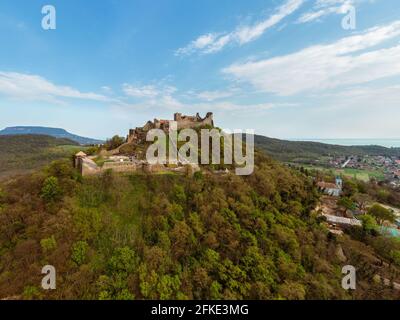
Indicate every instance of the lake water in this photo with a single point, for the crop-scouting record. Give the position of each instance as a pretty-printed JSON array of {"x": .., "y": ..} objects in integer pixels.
[{"x": 389, "y": 143}]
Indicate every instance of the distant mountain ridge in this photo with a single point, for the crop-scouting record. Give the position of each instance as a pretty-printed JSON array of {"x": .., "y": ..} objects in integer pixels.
[{"x": 53, "y": 132}]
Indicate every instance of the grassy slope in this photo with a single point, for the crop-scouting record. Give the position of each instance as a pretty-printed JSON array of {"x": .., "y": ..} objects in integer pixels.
[{"x": 20, "y": 154}]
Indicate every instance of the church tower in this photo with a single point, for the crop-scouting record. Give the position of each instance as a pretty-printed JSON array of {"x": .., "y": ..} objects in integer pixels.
[{"x": 339, "y": 182}]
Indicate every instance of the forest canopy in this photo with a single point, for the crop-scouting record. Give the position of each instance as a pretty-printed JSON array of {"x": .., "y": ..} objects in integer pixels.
[{"x": 205, "y": 236}]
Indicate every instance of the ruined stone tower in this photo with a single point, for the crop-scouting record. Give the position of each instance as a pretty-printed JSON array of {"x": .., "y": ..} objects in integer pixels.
[
  {"x": 138, "y": 135},
  {"x": 185, "y": 122}
]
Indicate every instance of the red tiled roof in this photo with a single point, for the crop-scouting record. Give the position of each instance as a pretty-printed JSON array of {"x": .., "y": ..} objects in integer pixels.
[{"x": 327, "y": 185}]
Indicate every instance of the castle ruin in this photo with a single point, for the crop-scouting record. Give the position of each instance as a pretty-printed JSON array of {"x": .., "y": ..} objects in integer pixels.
[
  {"x": 138, "y": 135},
  {"x": 186, "y": 122},
  {"x": 113, "y": 160}
]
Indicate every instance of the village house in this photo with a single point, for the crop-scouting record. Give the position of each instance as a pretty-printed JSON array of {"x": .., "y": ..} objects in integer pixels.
[
  {"x": 331, "y": 189},
  {"x": 335, "y": 221}
]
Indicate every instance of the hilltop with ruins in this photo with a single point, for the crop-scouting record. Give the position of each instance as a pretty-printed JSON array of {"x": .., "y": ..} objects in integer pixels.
[
  {"x": 138, "y": 135},
  {"x": 120, "y": 160}
]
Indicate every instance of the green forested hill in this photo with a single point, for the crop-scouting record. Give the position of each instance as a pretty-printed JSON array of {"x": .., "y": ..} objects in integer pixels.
[
  {"x": 19, "y": 154},
  {"x": 310, "y": 151},
  {"x": 176, "y": 237}
]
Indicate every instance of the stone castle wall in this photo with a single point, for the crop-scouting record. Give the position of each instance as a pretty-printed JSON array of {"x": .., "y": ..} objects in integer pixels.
[
  {"x": 88, "y": 167},
  {"x": 186, "y": 122},
  {"x": 119, "y": 166}
]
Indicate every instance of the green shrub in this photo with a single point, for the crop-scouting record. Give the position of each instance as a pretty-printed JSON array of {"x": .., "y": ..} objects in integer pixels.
[
  {"x": 124, "y": 260},
  {"x": 395, "y": 257},
  {"x": 124, "y": 294},
  {"x": 114, "y": 142},
  {"x": 51, "y": 190},
  {"x": 48, "y": 244},
  {"x": 381, "y": 214},
  {"x": 79, "y": 252},
  {"x": 369, "y": 223},
  {"x": 31, "y": 293}
]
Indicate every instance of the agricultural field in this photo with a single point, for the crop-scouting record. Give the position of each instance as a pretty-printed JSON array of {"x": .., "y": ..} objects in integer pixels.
[{"x": 363, "y": 175}]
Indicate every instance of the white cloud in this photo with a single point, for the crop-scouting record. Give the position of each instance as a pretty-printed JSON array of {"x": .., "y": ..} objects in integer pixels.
[
  {"x": 161, "y": 97},
  {"x": 231, "y": 106},
  {"x": 36, "y": 88},
  {"x": 106, "y": 89},
  {"x": 214, "y": 95},
  {"x": 147, "y": 91},
  {"x": 198, "y": 44},
  {"x": 169, "y": 102},
  {"x": 204, "y": 41},
  {"x": 363, "y": 95},
  {"x": 246, "y": 34},
  {"x": 214, "y": 42},
  {"x": 323, "y": 8},
  {"x": 175, "y": 105},
  {"x": 154, "y": 95},
  {"x": 140, "y": 92},
  {"x": 375, "y": 109},
  {"x": 344, "y": 62}
]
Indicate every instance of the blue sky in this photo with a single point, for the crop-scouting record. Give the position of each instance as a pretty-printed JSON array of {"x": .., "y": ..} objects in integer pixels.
[{"x": 287, "y": 68}]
